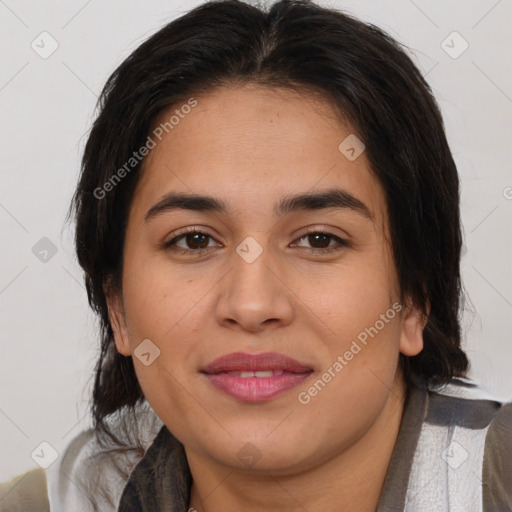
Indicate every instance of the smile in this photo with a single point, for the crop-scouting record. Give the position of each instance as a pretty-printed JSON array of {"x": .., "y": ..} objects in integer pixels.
[{"x": 255, "y": 377}]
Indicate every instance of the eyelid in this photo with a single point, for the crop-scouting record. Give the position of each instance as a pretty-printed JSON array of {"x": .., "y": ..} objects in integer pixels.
[
  {"x": 184, "y": 231},
  {"x": 318, "y": 228},
  {"x": 203, "y": 230},
  {"x": 342, "y": 240}
]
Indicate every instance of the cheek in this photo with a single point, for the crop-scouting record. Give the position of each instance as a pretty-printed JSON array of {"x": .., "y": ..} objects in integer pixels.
[
  {"x": 165, "y": 307},
  {"x": 361, "y": 323},
  {"x": 348, "y": 298},
  {"x": 160, "y": 299},
  {"x": 168, "y": 394}
]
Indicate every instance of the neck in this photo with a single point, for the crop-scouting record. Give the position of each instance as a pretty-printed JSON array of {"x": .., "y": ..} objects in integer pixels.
[{"x": 351, "y": 481}]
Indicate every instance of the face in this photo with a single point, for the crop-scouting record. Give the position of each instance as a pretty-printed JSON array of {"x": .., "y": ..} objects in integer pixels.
[{"x": 303, "y": 292}]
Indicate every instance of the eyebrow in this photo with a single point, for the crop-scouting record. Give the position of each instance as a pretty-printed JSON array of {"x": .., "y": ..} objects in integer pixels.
[{"x": 333, "y": 198}]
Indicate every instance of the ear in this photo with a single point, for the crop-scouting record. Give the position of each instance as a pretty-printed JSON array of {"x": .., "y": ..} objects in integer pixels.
[
  {"x": 413, "y": 323},
  {"x": 117, "y": 319}
]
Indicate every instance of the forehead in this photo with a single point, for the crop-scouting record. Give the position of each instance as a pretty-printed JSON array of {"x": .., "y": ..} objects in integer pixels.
[{"x": 251, "y": 145}]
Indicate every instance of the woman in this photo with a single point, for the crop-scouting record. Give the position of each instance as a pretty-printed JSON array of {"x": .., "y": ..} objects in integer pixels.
[{"x": 268, "y": 221}]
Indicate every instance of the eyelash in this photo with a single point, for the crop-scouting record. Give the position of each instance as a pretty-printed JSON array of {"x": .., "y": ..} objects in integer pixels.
[{"x": 198, "y": 252}]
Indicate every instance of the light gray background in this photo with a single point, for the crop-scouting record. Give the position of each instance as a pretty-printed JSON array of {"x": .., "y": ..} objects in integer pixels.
[{"x": 48, "y": 338}]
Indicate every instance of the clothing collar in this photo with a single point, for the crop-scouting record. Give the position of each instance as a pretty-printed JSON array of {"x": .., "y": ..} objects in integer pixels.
[
  {"x": 394, "y": 490},
  {"x": 162, "y": 479}
]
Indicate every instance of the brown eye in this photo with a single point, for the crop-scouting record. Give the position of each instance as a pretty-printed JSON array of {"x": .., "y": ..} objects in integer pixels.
[
  {"x": 320, "y": 242},
  {"x": 319, "y": 238},
  {"x": 194, "y": 242}
]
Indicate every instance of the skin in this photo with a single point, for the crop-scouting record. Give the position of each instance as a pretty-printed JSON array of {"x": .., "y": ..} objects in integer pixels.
[{"x": 251, "y": 146}]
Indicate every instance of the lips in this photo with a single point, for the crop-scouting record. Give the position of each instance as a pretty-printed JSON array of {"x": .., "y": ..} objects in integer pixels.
[
  {"x": 260, "y": 373},
  {"x": 255, "y": 377},
  {"x": 243, "y": 362}
]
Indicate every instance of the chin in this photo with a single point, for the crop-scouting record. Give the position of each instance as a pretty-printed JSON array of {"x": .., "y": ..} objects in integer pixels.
[{"x": 278, "y": 455}]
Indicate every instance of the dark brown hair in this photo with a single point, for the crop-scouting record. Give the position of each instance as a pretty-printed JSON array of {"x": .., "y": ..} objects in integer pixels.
[{"x": 299, "y": 45}]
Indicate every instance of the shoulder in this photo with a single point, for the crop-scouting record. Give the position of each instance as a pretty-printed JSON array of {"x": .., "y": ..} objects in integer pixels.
[
  {"x": 463, "y": 403},
  {"x": 487, "y": 423},
  {"x": 497, "y": 464},
  {"x": 465, "y": 441},
  {"x": 93, "y": 470}
]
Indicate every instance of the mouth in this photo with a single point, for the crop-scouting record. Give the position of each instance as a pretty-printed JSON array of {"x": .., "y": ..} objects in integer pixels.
[{"x": 255, "y": 377}]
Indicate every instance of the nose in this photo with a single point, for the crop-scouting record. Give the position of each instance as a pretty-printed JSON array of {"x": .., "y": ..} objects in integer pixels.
[{"x": 255, "y": 295}]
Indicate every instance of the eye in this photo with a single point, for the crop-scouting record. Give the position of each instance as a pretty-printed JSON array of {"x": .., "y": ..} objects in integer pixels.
[
  {"x": 323, "y": 239},
  {"x": 197, "y": 240}
]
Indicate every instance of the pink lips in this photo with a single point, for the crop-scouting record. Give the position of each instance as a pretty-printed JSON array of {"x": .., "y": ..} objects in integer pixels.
[{"x": 255, "y": 377}]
